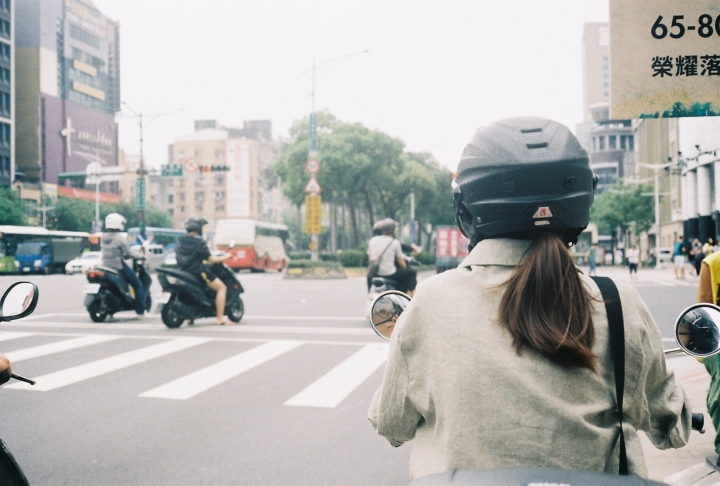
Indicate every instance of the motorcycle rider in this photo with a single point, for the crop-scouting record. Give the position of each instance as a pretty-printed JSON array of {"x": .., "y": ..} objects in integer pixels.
[
  {"x": 389, "y": 251},
  {"x": 115, "y": 249},
  {"x": 504, "y": 362},
  {"x": 190, "y": 253}
]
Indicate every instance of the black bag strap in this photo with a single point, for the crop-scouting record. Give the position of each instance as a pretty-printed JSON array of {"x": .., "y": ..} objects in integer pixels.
[{"x": 616, "y": 330}]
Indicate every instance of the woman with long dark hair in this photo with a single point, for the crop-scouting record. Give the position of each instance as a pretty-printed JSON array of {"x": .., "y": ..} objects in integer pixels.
[{"x": 505, "y": 361}]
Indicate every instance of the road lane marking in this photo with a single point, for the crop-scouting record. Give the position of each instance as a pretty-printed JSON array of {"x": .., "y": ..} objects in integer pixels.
[
  {"x": 9, "y": 335},
  {"x": 338, "y": 383},
  {"x": 58, "y": 347},
  {"x": 86, "y": 371},
  {"x": 190, "y": 385},
  {"x": 210, "y": 327}
]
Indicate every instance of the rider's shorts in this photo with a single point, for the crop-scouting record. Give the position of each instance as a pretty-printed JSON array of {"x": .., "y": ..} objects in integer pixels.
[{"x": 207, "y": 275}]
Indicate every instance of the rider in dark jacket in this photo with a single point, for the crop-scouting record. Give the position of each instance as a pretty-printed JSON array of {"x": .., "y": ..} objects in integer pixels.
[{"x": 190, "y": 252}]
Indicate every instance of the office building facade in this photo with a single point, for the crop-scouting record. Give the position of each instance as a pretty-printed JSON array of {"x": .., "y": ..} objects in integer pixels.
[
  {"x": 7, "y": 82},
  {"x": 68, "y": 78}
]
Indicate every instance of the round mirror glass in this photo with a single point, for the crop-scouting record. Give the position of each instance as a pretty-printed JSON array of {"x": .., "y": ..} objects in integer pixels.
[
  {"x": 386, "y": 310},
  {"x": 696, "y": 330},
  {"x": 17, "y": 300}
]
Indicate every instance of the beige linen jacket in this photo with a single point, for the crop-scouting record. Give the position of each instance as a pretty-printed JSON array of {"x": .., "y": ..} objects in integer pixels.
[{"x": 454, "y": 383}]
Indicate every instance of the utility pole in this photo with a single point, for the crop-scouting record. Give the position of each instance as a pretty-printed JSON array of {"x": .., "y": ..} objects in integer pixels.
[
  {"x": 313, "y": 201},
  {"x": 141, "y": 172}
]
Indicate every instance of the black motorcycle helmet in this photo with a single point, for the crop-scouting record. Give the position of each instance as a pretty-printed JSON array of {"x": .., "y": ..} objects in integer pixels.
[
  {"x": 195, "y": 223},
  {"x": 522, "y": 175}
]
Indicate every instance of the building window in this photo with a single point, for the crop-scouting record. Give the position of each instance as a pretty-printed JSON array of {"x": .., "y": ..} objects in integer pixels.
[
  {"x": 631, "y": 143},
  {"x": 594, "y": 143},
  {"x": 182, "y": 197},
  {"x": 5, "y": 29},
  {"x": 182, "y": 209},
  {"x": 4, "y": 51},
  {"x": 220, "y": 207},
  {"x": 4, "y": 135},
  {"x": 219, "y": 180},
  {"x": 170, "y": 211},
  {"x": 605, "y": 58},
  {"x": 219, "y": 153},
  {"x": 199, "y": 196},
  {"x": 4, "y": 103},
  {"x": 198, "y": 207},
  {"x": 612, "y": 142},
  {"x": 606, "y": 85},
  {"x": 606, "y": 94},
  {"x": 605, "y": 67},
  {"x": 601, "y": 143},
  {"x": 170, "y": 198},
  {"x": 623, "y": 142},
  {"x": 83, "y": 35},
  {"x": 181, "y": 182},
  {"x": 605, "y": 76},
  {"x": 170, "y": 182}
]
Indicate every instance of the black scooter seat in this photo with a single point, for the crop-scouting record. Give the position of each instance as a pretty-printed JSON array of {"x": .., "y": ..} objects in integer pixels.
[
  {"x": 181, "y": 274},
  {"x": 380, "y": 281}
]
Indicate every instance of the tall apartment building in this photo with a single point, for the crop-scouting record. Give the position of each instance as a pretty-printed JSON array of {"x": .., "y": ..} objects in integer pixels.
[
  {"x": 216, "y": 194},
  {"x": 68, "y": 87},
  {"x": 7, "y": 82},
  {"x": 596, "y": 66}
]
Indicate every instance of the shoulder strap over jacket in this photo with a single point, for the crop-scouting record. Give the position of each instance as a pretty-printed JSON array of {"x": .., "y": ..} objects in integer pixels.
[{"x": 616, "y": 330}]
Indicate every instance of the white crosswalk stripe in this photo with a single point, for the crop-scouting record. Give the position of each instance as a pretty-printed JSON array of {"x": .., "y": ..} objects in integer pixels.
[
  {"x": 328, "y": 391},
  {"x": 190, "y": 385},
  {"x": 9, "y": 335},
  {"x": 58, "y": 347},
  {"x": 331, "y": 389},
  {"x": 113, "y": 363}
]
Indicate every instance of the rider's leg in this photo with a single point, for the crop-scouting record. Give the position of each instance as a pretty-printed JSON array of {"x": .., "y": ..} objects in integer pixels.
[
  {"x": 130, "y": 277},
  {"x": 220, "y": 293}
]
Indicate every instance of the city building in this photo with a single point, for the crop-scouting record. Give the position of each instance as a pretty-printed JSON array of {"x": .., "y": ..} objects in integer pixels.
[
  {"x": 611, "y": 147},
  {"x": 596, "y": 66},
  {"x": 216, "y": 194},
  {"x": 7, "y": 86},
  {"x": 67, "y": 72}
]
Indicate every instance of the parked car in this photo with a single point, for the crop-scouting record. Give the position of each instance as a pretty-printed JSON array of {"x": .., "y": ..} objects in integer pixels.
[
  {"x": 83, "y": 263},
  {"x": 664, "y": 254},
  {"x": 154, "y": 255}
]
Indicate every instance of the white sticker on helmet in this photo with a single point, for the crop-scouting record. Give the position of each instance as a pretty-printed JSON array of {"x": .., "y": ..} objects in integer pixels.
[{"x": 543, "y": 212}]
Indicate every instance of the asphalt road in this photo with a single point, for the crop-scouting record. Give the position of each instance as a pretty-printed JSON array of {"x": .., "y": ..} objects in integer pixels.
[{"x": 279, "y": 399}]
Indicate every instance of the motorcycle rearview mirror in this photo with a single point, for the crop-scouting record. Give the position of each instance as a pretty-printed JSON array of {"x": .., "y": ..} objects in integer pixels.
[
  {"x": 697, "y": 331},
  {"x": 19, "y": 301},
  {"x": 386, "y": 310}
]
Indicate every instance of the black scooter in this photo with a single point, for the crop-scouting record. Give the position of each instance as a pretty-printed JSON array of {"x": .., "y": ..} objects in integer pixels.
[
  {"x": 185, "y": 296},
  {"x": 107, "y": 292}
]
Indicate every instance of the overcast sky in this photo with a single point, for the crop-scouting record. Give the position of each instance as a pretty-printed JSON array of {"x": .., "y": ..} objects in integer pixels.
[{"x": 435, "y": 71}]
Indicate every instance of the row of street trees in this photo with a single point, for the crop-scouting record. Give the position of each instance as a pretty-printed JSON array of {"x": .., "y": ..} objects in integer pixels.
[
  {"x": 367, "y": 175},
  {"x": 624, "y": 206},
  {"x": 74, "y": 214}
]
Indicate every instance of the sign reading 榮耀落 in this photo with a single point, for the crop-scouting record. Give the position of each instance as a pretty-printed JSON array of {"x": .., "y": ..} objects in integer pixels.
[{"x": 664, "y": 58}]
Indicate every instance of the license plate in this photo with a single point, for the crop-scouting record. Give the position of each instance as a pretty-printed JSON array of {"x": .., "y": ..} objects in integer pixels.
[
  {"x": 26, "y": 269},
  {"x": 164, "y": 298},
  {"x": 91, "y": 288}
]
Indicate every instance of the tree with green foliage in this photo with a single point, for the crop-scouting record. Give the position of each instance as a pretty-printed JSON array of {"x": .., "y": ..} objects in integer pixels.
[
  {"x": 367, "y": 174},
  {"x": 78, "y": 215},
  {"x": 12, "y": 208},
  {"x": 623, "y": 205}
]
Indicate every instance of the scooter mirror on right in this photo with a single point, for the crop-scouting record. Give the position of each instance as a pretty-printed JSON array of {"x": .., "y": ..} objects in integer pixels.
[
  {"x": 697, "y": 330},
  {"x": 386, "y": 310}
]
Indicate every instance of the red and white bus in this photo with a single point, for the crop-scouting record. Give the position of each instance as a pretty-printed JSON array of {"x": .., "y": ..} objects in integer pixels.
[{"x": 258, "y": 246}]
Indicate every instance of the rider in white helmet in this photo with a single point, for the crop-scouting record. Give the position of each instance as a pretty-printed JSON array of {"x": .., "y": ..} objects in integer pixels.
[{"x": 115, "y": 249}]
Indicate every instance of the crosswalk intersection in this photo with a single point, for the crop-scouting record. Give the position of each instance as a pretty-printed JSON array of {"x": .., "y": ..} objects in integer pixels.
[{"x": 362, "y": 360}]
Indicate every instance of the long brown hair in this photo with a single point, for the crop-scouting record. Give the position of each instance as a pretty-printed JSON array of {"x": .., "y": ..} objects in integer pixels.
[{"x": 547, "y": 308}]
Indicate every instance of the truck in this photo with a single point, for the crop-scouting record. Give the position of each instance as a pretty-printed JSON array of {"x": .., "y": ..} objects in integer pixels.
[
  {"x": 451, "y": 248},
  {"x": 46, "y": 256}
]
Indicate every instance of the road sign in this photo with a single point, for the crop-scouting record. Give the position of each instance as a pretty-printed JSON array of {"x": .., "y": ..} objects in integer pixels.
[
  {"x": 313, "y": 214},
  {"x": 172, "y": 170},
  {"x": 664, "y": 58},
  {"x": 313, "y": 166},
  {"x": 190, "y": 165},
  {"x": 313, "y": 246},
  {"x": 313, "y": 186},
  {"x": 140, "y": 193}
]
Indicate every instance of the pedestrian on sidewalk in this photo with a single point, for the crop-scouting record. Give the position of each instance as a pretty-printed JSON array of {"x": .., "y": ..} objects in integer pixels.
[
  {"x": 707, "y": 292},
  {"x": 696, "y": 255},
  {"x": 633, "y": 258},
  {"x": 592, "y": 260},
  {"x": 679, "y": 258}
]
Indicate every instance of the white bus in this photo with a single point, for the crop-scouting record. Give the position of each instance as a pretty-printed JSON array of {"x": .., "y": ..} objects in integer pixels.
[{"x": 258, "y": 246}]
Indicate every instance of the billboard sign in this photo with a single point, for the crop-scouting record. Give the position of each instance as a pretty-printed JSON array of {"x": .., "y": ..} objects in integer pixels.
[
  {"x": 313, "y": 214},
  {"x": 238, "y": 178},
  {"x": 664, "y": 58}
]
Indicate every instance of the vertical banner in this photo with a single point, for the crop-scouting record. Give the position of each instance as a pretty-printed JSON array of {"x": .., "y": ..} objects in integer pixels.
[
  {"x": 140, "y": 193},
  {"x": 664, "y": 58},
  {"x": 313, "y": 214},
  {"x": 238, "y": 179}
]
